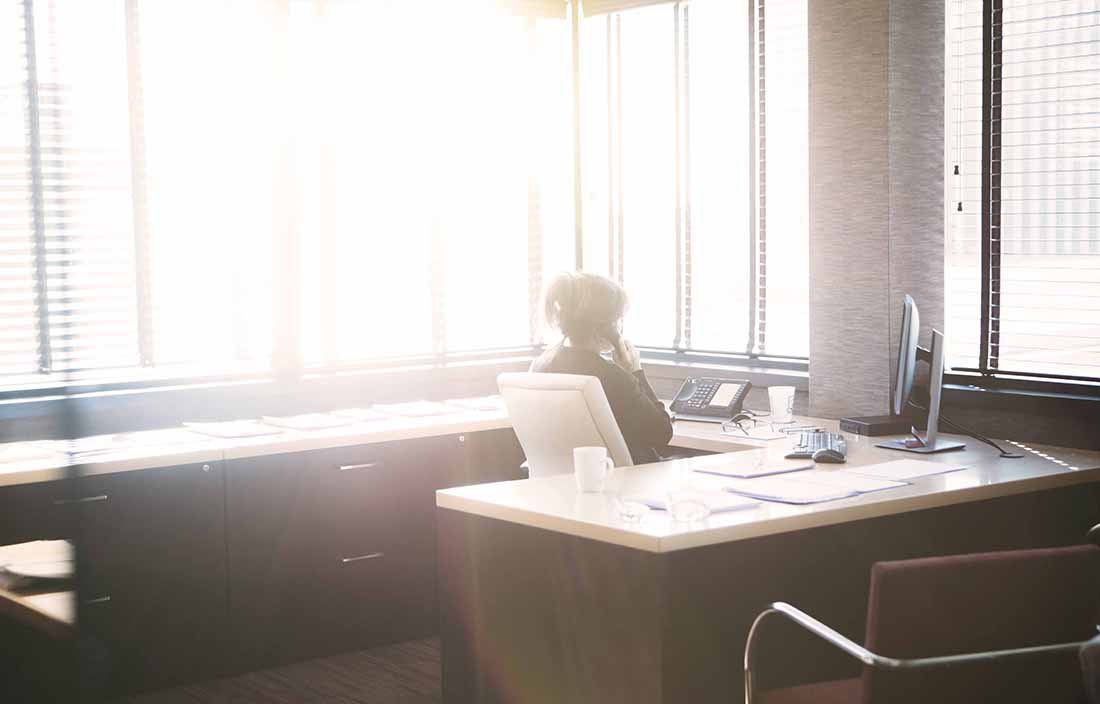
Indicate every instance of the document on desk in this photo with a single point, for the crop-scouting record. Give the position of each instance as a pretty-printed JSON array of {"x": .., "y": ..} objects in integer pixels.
[
  {"x": 810, "y": 487},
  {"x": 905, "y": 469},
  {"x": 717, "y": 501},
  {"x": 745, "y": 465}
]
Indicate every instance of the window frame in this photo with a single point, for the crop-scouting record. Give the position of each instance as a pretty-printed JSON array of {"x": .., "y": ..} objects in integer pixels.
[{"x": 989, "y": 372}]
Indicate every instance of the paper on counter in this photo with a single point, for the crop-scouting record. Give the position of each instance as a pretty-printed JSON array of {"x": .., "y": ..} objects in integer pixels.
[
  {"x": 850, "y": 481},
  {"x": 905, "y": 469},
  {"x": 485, "y": 403},
  {"x": 308, "y": 421},
  {"x": 751, "y": 463},
  {"x": 234, "y": 429},
  {"x": 716, "y": 501},
  {"x": 788, "y": 489},
  {"x": 361, "y": 414},
  {"x": 415, "y": 409},
  {"x": 32, "y": 450}
]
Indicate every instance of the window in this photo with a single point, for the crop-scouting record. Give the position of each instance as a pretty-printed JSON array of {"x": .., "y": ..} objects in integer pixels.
[
  {"x": 330, "y": 183},
  {"x": 677, "y": 165},
  {"x": 135, "y": 216},
  {"x": 1023, "y": 165},
  {"x": 436, "y": 171}
]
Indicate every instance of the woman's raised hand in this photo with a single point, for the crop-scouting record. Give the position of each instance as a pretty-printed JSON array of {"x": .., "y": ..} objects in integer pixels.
[{"x": 627, "y": 356}]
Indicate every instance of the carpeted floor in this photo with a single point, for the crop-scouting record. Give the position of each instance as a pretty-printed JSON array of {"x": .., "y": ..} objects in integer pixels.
[{"x": 405, "y": 673}]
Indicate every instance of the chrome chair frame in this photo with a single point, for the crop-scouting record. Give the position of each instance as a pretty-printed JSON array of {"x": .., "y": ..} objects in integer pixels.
[{"x": 875, "y": 660}]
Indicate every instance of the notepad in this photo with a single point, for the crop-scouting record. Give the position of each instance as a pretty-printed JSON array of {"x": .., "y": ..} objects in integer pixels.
[
  {"x": 748, "y": 464},
  {"x": 234, "y": 429},
  {"x": 308, "y": 421},
  {"x": 415, "y": 409},
  {"x": 905, "y": 469}
]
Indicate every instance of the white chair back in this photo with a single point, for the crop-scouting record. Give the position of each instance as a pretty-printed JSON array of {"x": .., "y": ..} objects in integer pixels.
[{"x": 553, "y": 413}]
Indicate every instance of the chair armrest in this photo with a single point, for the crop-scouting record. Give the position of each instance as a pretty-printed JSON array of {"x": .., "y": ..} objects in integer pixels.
[{"x": 875, "y": 660}]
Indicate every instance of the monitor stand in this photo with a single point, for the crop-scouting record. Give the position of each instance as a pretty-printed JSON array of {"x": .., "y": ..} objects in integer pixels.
[{"x": 930, "y": 442}]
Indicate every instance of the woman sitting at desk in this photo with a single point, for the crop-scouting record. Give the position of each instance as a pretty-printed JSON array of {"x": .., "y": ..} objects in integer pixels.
[{"x": 588, "y": 309}]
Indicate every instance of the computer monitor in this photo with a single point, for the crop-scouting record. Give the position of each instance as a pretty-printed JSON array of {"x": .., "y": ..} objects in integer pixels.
[
  {"x": 907, "y": 355},
  {"x": 909, "y": 352}
]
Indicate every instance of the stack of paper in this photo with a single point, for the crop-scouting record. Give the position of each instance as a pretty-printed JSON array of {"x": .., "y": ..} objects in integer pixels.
[
  {"x": 417, "y": 408},
  {"x": 905, "y": 469},
  {"x": 809, "y": 487},
  {"x": 234, "y": 429},
  {"x": 308, "y": 421}
]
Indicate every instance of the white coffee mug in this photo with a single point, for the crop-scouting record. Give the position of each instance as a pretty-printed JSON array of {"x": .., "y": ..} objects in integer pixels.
[{"x": 590, "y": 466}]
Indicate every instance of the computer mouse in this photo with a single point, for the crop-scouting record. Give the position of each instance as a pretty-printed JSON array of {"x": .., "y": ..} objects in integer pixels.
[{"x": 828, "y": 456}]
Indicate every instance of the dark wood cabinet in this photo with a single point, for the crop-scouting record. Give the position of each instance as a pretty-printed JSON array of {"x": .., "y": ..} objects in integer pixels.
[
  {"x": 151, "y": 551},
  {"x": 191, "y": 571},
  {"x": 334, "y": 549}
]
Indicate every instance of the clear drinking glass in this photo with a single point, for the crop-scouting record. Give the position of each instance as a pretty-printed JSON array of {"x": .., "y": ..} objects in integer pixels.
[
  {"x": 687, "y": 505},
  {"x": 781, "y": 400},
  {"x": 629, "y": 508}
]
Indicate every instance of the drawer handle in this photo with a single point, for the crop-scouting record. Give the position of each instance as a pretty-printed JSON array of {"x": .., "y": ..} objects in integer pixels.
[
  {"x": 98, "y": 600},
  {"x": 357, "y": 558},
  {"x": 84, "y": 500},
  {"x": 365, "y": 465}
]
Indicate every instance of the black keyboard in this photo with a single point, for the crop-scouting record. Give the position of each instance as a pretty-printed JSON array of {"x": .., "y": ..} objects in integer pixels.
[{"x": 811, "y": 444}]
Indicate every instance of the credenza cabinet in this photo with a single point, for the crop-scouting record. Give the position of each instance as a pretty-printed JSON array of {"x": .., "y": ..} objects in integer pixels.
[
  {"x": 152, "y": 574},
  {"x": 333, "y": 550},
  {"x": 199, "y": 570}
]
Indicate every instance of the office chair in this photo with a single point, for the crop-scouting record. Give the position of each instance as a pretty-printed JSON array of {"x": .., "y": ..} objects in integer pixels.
[
  {"x": 1003, "y": 626},
  {"x": 553, "y": 413}
]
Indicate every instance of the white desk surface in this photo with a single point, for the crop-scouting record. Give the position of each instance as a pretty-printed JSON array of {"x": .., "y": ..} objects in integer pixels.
[{"x": 553, "y": 503}]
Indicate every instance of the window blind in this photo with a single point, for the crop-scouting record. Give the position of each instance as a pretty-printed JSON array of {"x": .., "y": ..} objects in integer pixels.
[
  {"x": 19, "y": 342},
  {"x": 78, "y": 179},
  {"x": 1034, "y": 141},
  {"x": 676, "y": 164}
]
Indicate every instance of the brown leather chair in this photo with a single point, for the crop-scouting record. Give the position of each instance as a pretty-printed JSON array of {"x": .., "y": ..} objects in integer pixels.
[{"x": 999, "y": 627}]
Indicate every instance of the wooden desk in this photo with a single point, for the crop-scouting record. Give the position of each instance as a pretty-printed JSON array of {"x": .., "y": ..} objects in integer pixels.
[{"x": 547, "y": 596}]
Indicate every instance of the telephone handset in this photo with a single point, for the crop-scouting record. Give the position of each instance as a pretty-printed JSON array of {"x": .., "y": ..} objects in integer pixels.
[{"x": 710, "y": 399}]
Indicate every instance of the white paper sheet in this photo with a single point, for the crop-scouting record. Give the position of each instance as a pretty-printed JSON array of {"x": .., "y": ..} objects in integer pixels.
[
  {"x": 748, "y": 464},
  {"x": 362, "y": 414},
  {"x": 788, "y": 489},
  {"x": 308, "y": 421},
  {"x": 486, "y": 403},
  {"x": 901, "y": 470},
  {"x": 234, "y": 429},
  {"x": 416, "y": 409},
  {"x": 846, "y": 480},
  {"x": 717, "y": 501}
]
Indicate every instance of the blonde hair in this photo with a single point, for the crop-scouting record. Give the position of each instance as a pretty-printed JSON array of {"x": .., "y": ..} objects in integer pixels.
[{"x": 582, "y": 305}]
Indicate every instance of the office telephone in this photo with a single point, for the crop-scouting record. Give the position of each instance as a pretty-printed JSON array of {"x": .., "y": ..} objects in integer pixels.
[{"x": 710, "y": 399}]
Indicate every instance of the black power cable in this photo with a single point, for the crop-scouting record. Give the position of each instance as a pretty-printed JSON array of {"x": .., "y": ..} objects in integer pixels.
[{"x": 971, "y": 433}]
